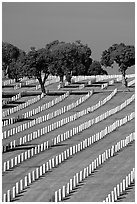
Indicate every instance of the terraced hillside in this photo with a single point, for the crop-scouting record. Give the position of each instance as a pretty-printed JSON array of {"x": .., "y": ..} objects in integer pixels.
[{"x": 76, "y": 144}]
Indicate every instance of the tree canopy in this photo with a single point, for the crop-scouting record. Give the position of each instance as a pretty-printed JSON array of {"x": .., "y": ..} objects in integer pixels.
[
  {"x": 16, "y": 70},
  {"x": 12, "y": 58},
  {"x": 63, "y": 59},
  {"x": 96, "y": 69},
  {"x": 69, "y": 58},
  {"x": 9, "y": 53},
  {"x": 123, "y": 55},
  {"x": 36, "y": 64}
]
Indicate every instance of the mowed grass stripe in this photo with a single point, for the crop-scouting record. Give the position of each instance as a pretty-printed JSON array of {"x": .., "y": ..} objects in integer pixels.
[
  {"x": 78, "y": 137},
  {"x": 48, "y": 136},
  {"x": 36, "y": 127},
  {"x": 44, "y": 100},
  {"x": 73, "y": 163},
  {"x": 35, "y": 104},
  {"x": 128, "y": 196},
  {"x": 44, "y": 189},
  {"x": 101, "y": 183},
  {"x": 41, "y": 125},
  {"x": 41, "y": 102}
]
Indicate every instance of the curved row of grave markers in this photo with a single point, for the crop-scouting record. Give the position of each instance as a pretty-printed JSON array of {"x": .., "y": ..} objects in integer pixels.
[
  {"x": 131, "y": 82},
  {"x": 31, "y": 177},
  {"x": 120, "y": 189},
  {"x": 21, "y": 106},
  {"x": 49, "y": 116},
  {"x": 43, "y": 107},
  {"x": 44, "y": 130},
  {"x": 7, "y": 82},
  {"x": 10, "y": 81},
  {"x": 89, "y": 123},
  {"x": 105, "y": 85},
  {"x": 29, "y": 102},
  {"x": 119, "y": 76},
  {"x": 75, "y": 78},
  {"x": 13, "y": 98},
  {"x": 81, "y": 127},
  {"x": 85, "y": 143},
  {"x": 57, "y": 124},
  {"x": 45, "y": 145},
  {"x": 33, "y": 112},
  {"x": 17, "y": 86},
  {"x": 97, "y": 78},
  {"x": 66, "y": 190}
]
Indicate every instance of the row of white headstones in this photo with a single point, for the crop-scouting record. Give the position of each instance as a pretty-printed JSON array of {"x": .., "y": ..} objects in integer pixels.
[
  {"x": 13, "y": 98},
  {"x": 120, "y": 188},
  {"x": 66, "y": 190},
  {"x": 130, "y": 83},
  {"x": 7, "y": 82},
  {"x": 25, "y": 79},
  {"x": 49, "y": 116},
  {"x": 81, "y": 127},
  {"x": 85, "y": 143},
  {"x": 75, "y": 78},
  {"x": 105, "y": 85},
  {"x": 37, "y": 110},
  {"x": 63, "y": 136},
  {"x": 119, "y": 77},
  {"x": 22, "y": 127},
  {"x": 27, "y": 103},
  {"x": 60, "y": 123},
  {"x": 21, "y": 106},
  {"x": 31, "y": 101},
  {"x": 57, "y": 160}
]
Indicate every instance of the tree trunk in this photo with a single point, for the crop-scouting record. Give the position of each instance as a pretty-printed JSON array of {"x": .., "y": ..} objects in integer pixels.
[
  {"x": 124, "y": 80},
  {"x": 42, "y": 82},
  {"x": 43, "y": 88},
  {"x": 68, "y": 78},
  {"x": 16, "y": 79},
  {"x": 6, "y": 71},
  {"x": 61, "y": 78}
]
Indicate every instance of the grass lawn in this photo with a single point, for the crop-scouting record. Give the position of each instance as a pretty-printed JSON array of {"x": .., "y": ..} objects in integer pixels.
[{"x": 99, "y": 184}]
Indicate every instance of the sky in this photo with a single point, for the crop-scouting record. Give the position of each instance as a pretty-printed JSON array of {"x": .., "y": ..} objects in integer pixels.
[{"x": 98, "y": 24}]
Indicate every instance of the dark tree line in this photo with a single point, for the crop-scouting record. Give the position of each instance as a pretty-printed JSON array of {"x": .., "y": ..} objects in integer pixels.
[{"x": 63, "y": 59}]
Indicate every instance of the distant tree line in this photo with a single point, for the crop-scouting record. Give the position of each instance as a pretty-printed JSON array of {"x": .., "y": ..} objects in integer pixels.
[{"x": 63, "y": 59}]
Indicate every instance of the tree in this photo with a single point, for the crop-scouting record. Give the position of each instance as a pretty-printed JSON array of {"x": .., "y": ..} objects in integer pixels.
[
  {"x": 15, "y": 70},
  {"x": 62, "y": 58},
  {"x": 123, "y": 55},
  {"x": 68, "y": 59},
  {"x": 9, "y": 53},
  {"x": 83, "y": 60},
  {"x": 36, "y": 64},
  {"x": 96, "y": 69}
]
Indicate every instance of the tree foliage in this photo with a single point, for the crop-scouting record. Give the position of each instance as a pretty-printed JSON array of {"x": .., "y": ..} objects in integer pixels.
[
  {"x": 69, "y": 58},
  {"x": 63, "y": 59},
  {"x": 123, "y": 55},
  {"x": 96, "y": 69},
  {"x": 36, "y": 64},
  {"x": 9, "y": 53},
  {"x": 15, "y": 70}
]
